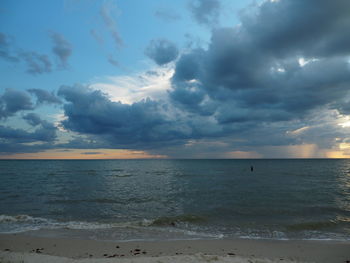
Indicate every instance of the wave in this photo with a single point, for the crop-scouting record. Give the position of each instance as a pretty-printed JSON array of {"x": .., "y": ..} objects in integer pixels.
[
  {"x": 23, "y": 223},
  {"x": 115, "y": 170},
  {"x": 21, "y": 219},
  {"x": 175, "y": 220},
  {"x": 315, "y": 225},
  {"x": 26, "y": 222},
  {"x": 183, "y": 226},
  {"x": 122, "y": 175}
]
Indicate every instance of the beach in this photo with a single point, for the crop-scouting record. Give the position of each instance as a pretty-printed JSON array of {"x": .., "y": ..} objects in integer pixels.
[{"x": 25, "y": 248}]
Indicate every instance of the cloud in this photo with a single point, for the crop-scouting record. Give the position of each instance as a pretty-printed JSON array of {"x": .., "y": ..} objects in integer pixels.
[
  {"x": 306, "y": 28},
  {"x": 127, "y": 89},
  {"x": 252, "y": 73},
  {"x": 47, "y": 132},
  {"x": 92, "y": 112},
  {"x": 36, "y": 63},
  {"x": 33, "y": 119},
  {"x": 167, "y": 15},
  {"x": 162, "y": 51},
  {"x": 5, "y": 48},
  {"x": 96, "y": 36},
  {"x": 205, "y": 12},
  {"x": 85, "y": 142},
  {"x": 13, "y": 148},
  {"x": 140, "y": 125},
  {"x": 43, "y": 96},
  {"x": 112, "y": 61},
  {"x": 245, "y": 93},
  {"x": 106, "y": 12},
  {"x": 259, "y": 80},
  {"x": 12, "y": 101},
  {"x": 91, "y": 153},
  {"x": 258, "y": 89},
  {"x": 61, "y": 48},
  {"x": 16, "y": 140}
]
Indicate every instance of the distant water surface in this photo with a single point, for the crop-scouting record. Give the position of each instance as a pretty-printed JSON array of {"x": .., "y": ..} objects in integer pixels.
[{"x": 177, "y": 199}]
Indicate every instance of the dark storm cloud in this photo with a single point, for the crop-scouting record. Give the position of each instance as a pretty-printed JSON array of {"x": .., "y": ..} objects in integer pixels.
[
  {"x": 91, "y": 142},
  {"x": 191, "y": 98},
  {"x": 162, "y": 51},
  {"x": 141, "y": 125},
  {"x": 188, "y": 67},
  {"x": 13, "y": 148},
  {"x": 45, "y": 133},
  {"x": 205, "y": 12},
  {"x": 253, "y": 72},
  {"x": 91, "y": 112},
  {"x": 12, "y": 101},
  {"x": 308, "y": 28},
  {"x": 13, "y": 140},
  {"x": 261, "y": 77},
  {"x": 33, "y": 119},
  {"x": 43, "y": 96},
  {"x": 9, "y": 148},
  {"x": 61, "y": 48},
  {"x": 17, "y": 140}
]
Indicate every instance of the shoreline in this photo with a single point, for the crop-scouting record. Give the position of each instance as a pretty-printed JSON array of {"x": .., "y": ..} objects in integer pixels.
[{"x": 26, "y": 248}]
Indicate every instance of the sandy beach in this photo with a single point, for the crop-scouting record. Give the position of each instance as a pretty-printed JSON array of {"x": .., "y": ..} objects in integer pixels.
[{"x": 23, "y": 248}]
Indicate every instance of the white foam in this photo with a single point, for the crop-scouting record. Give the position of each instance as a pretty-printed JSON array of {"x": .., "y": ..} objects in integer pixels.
[
  {"x": 23, "y": 223},
  {"x": 20, "y": 218}
]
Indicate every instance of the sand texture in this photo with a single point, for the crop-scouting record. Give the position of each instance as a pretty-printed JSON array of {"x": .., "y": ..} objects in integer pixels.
[{"x": 22, "y": 248}]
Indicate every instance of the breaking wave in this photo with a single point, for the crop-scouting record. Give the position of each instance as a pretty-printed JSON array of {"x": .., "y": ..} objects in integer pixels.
[
  {"x": 173, "y": 221},
  {"x": 312, "y": 225},
  {"x": 22, "y": 223}
]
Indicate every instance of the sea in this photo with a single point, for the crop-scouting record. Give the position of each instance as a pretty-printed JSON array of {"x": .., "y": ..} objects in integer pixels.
[{"x": 124, "y": 200}]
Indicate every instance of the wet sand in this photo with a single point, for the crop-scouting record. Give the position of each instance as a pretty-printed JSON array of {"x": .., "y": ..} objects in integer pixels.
[{"x": 25, "y": 248}]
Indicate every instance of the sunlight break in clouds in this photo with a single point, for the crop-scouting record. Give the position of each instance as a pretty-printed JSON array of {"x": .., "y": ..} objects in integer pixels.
[{"x": 127, "y": 89}]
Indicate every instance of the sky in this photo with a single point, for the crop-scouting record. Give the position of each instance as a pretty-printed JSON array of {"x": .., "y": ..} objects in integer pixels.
[{"x": 88, "y": 79}]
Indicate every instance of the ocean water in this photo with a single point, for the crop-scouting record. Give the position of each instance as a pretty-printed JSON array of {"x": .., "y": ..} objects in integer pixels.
[{"x": 176, "y": 199}]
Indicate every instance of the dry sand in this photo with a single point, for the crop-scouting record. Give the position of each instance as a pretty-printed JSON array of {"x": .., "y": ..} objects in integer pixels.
[{"x": 23, "y": 248}]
